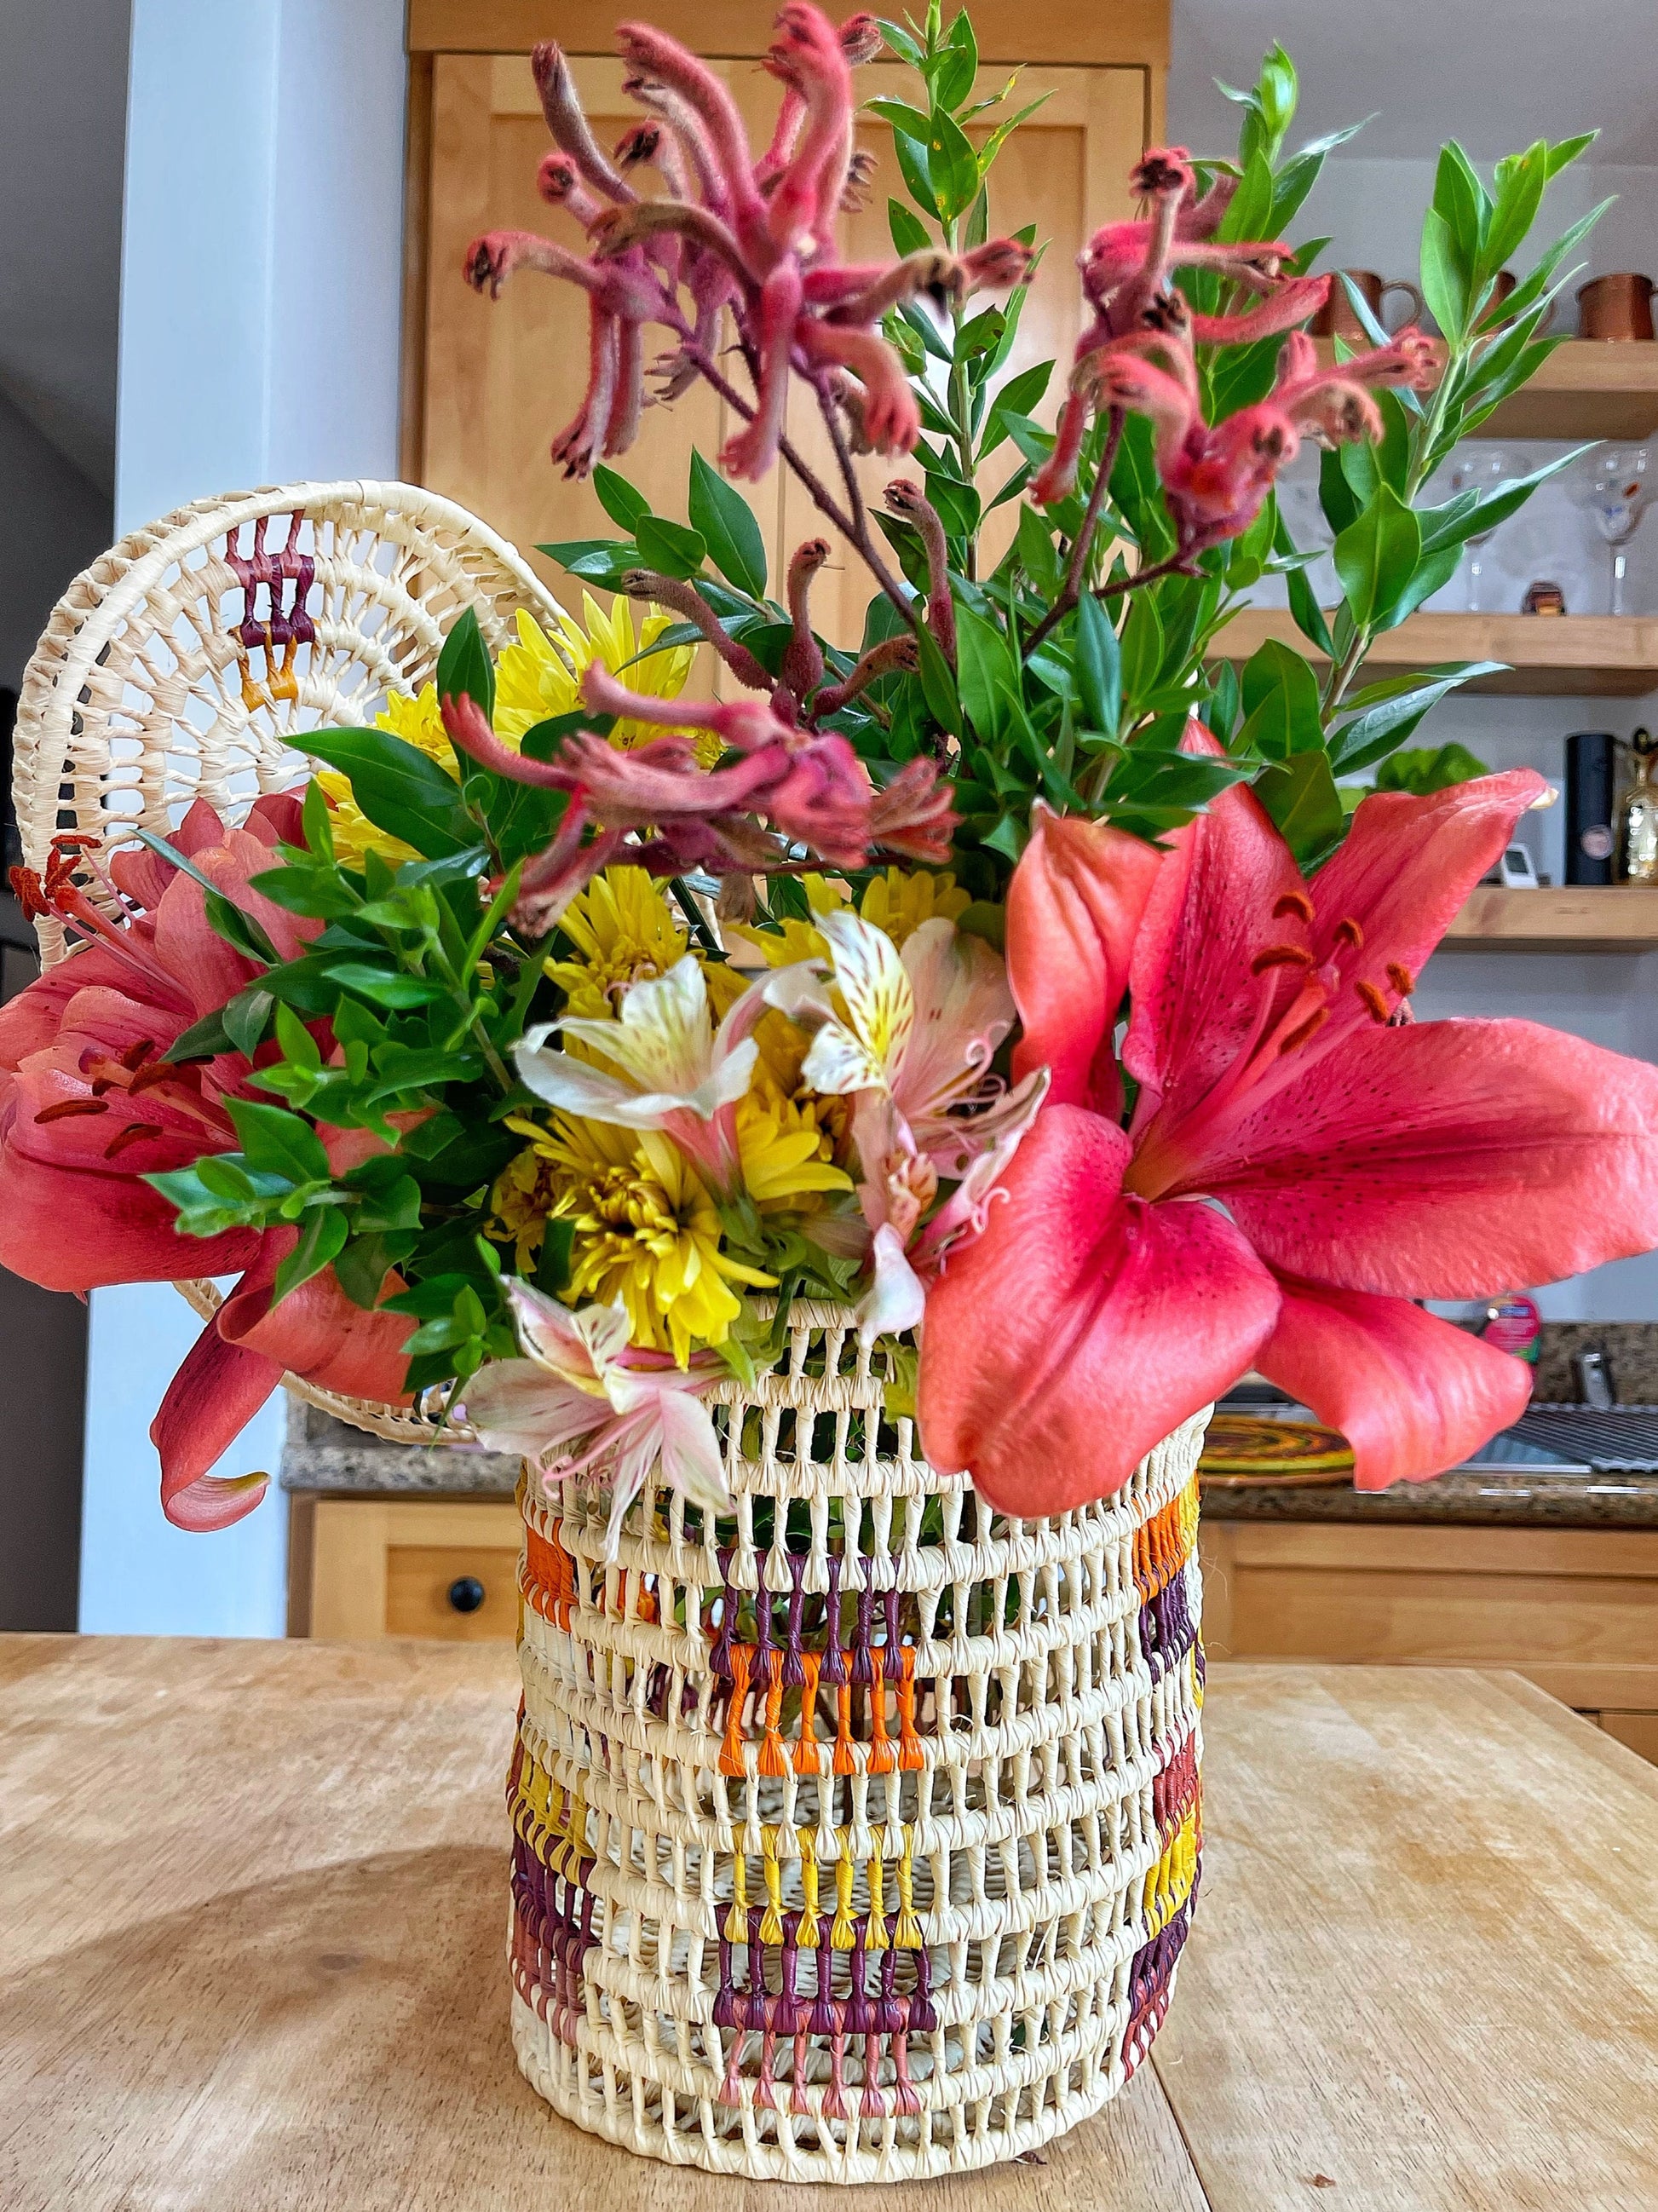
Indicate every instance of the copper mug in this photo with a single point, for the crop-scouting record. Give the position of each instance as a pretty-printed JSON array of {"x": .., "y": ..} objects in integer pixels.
[
  {"x": 1336, "y": 318},
  {"x": 1502, "y": 284},
  {"x": 1616, "y": 307}
]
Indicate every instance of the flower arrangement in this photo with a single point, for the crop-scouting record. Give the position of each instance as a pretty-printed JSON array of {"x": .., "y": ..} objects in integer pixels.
[{"x": 1024, "y": 978}]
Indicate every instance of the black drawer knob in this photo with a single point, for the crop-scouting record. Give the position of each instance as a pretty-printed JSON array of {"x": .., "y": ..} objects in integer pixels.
[{"x": 466, "y": 1593}]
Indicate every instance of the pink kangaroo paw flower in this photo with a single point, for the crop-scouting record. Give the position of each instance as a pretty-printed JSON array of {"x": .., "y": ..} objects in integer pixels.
[
  {"x": 469, "y": 732},
  {"x": 862, "y": 166},
  {"x": 491, "y": 259},
  {"x": 743, "y": 724},
  {"x": 907, "y": 499},
  {"x": 1202, "y": 218},
  {"x": 621, "y": 228},
  {"x": 1302, "y": 297},
  {"x": 583, "y": 437},
  {"x": 892, "y": 656},
  {"x": 1056, "y": 479},
  {"x": 891, "y": 419},
  {"x": 559, "y": 183},
  {"x": 718, "y": 127},
  {"x": 803, "y": 656},
  {"x": 914, "y": 816},
  {"x": 752, "y": 450},
  {"x": 808, "y": 57},
  {"x": 688, "y": 604},
  {"x": 1119, "y": 377},
  {"x": 621, "y": 424},
  {"x": 655, "y": 143},
  {"x": 569, "y": 125}
]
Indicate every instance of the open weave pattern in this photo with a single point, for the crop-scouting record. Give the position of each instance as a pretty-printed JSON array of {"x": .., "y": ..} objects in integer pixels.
[
  {"x": 190, "y": 659},
  {"x": 856, "y": 1836}
]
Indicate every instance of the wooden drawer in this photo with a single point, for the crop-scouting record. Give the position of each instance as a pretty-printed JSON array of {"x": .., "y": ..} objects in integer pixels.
[
  {"x": 364, "y": 1567},
  {"x": 1574, "y": 1609}
]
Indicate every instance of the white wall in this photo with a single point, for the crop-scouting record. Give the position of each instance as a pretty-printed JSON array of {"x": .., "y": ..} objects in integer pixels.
[{"x": 259, "y": 333}]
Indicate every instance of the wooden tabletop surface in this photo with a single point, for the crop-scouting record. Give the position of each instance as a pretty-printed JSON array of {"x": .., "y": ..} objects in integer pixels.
[{"x": 252, "y": 1908}]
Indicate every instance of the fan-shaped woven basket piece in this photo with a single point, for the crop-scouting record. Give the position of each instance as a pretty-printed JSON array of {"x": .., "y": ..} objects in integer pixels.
[
  {"x": 861, "y": 1846},
  {"x": 191, "y": 659}
]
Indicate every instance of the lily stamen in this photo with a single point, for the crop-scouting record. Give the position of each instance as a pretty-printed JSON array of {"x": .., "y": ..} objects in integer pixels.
[
  {"x": 1280, "y": 956},
  {"x": 1375, "y": 998},
  {"x": 1296, "y": 903}
]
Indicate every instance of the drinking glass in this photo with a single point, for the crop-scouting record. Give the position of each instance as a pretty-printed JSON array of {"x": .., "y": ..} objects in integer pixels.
[
  {"x": 1481, "y": 469},
  {"x": 1614, "y": 485}
]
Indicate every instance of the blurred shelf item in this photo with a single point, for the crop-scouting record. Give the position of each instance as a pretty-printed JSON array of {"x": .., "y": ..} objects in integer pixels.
[
  {"x": 1563, "y": 918},
  {"x": 1587, "y": 388},
  {"x": 1554, "y": 656}
]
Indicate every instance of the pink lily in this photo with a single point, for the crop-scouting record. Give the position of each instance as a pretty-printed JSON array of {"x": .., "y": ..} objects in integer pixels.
[
  {"x": 583, "y": 1398},
  {"x": 1299, "y": 1167},
  {"x": 91, "y": 1106}
]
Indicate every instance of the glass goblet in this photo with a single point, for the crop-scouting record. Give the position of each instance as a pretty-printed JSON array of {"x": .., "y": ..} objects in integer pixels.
[
  {"x": 1481, "y": 469},
  {"x": 1615, "y": 484}
]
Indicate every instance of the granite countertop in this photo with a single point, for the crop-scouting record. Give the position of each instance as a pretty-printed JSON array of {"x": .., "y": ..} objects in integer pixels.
[{"x": 324, "y": 1456}]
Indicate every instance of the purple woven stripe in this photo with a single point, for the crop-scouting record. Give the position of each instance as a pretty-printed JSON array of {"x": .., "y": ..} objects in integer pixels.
[{"x": 1167, "y": 1631}]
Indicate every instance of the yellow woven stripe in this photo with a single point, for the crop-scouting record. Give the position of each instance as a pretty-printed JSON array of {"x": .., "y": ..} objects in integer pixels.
[{"x": 1170, "y": 1882}]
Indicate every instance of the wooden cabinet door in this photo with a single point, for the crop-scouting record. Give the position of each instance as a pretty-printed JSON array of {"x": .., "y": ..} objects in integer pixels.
[
  {"x": 502, "y": 377},
  {"x": 1065, "y": 170}
]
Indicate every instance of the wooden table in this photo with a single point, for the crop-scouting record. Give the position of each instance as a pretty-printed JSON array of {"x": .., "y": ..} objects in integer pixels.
[{"x": 253, "y": 1905}]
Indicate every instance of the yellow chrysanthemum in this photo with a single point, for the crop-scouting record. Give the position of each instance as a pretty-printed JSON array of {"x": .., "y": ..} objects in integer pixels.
[
  {"x": 786, "y": 1148},
  {"x": 647, "y": 1234},
  {"x": 540, "y": 677},
  {"x": 897, "y": 902},
  {"x": 419, "y": 723},
  {"x": 624, "y": 930}
]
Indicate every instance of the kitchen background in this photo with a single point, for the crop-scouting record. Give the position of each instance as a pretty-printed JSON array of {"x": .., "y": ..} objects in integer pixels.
[{"x": 242, "y": 326}]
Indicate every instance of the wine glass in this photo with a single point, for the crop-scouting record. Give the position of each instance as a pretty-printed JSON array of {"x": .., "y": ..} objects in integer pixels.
[
  {"x": 1615, "y": 484},
  {"x": 1481, "y": 469}
]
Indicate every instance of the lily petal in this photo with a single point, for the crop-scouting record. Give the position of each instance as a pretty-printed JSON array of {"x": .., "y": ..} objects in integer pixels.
[
  {"x": 1198, "y": 999},
  {"x": 1404, "y": 869},
  {"x": 210, "y": 1401},
  {"x": 1075, "y": 902},
  {"x": 1446, "y": 1160},
  {"x": 1411, "y": 1394},
  {"x": 1083, "y": 1326}
]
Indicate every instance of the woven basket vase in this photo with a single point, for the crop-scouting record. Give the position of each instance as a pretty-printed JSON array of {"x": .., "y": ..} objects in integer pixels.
[{"x": 862, "y": 1847}]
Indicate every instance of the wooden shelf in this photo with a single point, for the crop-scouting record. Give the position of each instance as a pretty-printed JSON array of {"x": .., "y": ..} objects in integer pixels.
[
  {"x": 1551, "y": 656},
  {"x": 1587, "y": 388},
  {"x": 1566, "y": 918}
]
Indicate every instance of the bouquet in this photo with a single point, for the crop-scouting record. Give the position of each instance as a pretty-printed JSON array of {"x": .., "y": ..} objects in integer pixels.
[{"x": 1022, "y": 977}]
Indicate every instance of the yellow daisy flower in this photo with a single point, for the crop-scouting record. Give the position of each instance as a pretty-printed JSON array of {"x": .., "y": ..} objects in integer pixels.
[
  {"x": 786, "y": 1148},
  {"x": 624, "y": 930},
  {"x": 647, "y": 1234},
  {"x": 540, "y": 676}
]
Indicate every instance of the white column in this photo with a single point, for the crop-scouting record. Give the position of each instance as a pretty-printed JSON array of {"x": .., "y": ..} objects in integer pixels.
[{"x": 259, "y": 333}]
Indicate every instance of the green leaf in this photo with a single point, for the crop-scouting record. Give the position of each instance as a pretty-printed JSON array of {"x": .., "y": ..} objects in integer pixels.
[
  {"x": 1429, "y": 768},
  {"x": 1300, "y": 794},
  {"x": 1280, "y": 704},
  {"x": 908, "y": 122},
  {"x": 1520, "y": 179},
  {"x": 1016, "y": 397},
  {"x": 985, "y": 671},
  {"x": 1385, "y": 723},
  {"x": 913, "y": 164},
  {"x": 1376, "y": 557},
  {"x": 908, "y": 231},
  {"x": 385, "y": 987},
  {"x": 1099, "y": 667},
  {"x": 1037, "y": 554},
  {"x": 938, "y": 685},
  {"x": 202, "y": 1039},
  {"x": 727, "y": 528},
  {"x": 276, "y": 1142},
  {"x": 603, "y": 561},
  {"x": 316, "y": 827},
  {"x": 323, "y": 1234},
  {"x": 952, "y": 165},
  {"x": 398, "y": 788},
  {"x": 1141, "y": 649},
  {"x": 900, "y": 40},
  {"x": 1444, "y": 286},
  {"x": 999, "y": 136},
  {"x": 245, "y": 1020},
  {"x": 951, "y": 73},
  {"x": 625, "y": 504},
  {"x": 670, "y": 548},
  {"x": 553, "y": 1261},
  {"x": 464, "y": 666}
]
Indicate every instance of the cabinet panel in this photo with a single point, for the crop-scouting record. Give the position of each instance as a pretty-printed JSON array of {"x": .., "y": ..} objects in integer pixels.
[
  {"x": 362, "y": 1568},
  {"x": 419, "y": 1578}
]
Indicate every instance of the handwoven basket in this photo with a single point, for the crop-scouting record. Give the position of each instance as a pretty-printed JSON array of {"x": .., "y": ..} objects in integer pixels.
[
  {"x": 861, "y": 1847},
  {"x": 189, "y": 661}
]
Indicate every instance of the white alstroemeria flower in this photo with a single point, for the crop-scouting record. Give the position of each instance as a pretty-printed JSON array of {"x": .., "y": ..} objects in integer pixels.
[
  {"x": 677, "y": 1072},
  {"x": 583, "y": 1397}
]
